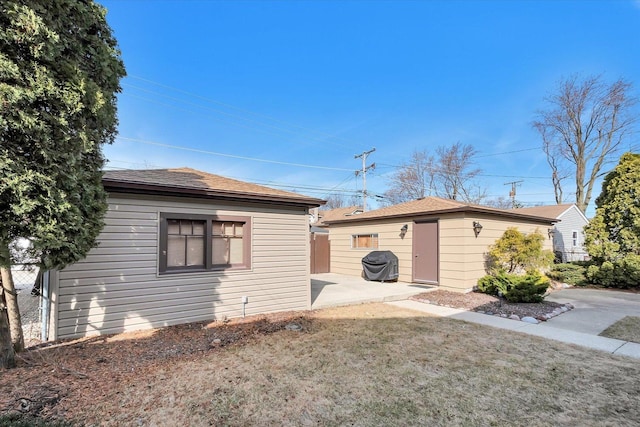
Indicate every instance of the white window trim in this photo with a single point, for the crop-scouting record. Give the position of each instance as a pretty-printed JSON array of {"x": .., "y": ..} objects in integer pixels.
[
  {"x": 575, "y": 242},
  {"x": 354, "y": 238}
]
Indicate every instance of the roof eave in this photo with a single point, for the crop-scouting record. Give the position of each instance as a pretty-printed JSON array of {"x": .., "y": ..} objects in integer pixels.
[
  {"x": 131, "y": 187},
  {"x": 574, "y": 206},
  {"x": 471, "y": 209}
]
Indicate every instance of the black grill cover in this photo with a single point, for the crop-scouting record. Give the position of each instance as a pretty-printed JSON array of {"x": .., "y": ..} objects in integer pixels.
[{"x": 380, "y": 266}]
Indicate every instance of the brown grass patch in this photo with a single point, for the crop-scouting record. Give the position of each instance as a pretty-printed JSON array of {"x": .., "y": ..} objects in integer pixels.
[
  {"x": 364, "y": 365},
  {"x": 626, "y": 329}
]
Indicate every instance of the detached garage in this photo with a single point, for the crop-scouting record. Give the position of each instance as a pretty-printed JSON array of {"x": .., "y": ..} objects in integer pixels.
[
  {"x": 179, "y": 246},
  {"x": 437, "y": 241}
]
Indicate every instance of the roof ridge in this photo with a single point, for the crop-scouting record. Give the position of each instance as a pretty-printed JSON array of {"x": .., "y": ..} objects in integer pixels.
[{"x": 450, "y": 201}]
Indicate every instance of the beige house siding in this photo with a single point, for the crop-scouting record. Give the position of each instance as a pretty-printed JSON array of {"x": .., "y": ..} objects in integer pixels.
[
  {"x": 461, "y": 253},
  {"x": 117, "y": 286}
]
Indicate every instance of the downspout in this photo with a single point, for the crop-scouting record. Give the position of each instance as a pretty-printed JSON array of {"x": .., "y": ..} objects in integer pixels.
[{"x": 45, "y": 302}]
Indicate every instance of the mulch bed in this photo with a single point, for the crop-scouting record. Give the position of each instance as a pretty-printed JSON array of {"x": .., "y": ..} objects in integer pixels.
[
  {"x": 476, "y": 301},
  {"x": 54, "y": 378}
]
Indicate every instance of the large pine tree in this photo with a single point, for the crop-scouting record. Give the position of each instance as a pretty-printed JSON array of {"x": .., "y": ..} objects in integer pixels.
[
  {"x": 60, "y": 70},
  {"x": 614, "y": 232}
]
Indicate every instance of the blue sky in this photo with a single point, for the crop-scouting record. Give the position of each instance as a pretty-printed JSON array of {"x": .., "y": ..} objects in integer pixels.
[{"x": 261, "y": 91}]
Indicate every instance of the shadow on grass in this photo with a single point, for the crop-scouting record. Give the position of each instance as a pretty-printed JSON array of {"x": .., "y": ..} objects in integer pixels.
[{"x": 368, "y": 364}]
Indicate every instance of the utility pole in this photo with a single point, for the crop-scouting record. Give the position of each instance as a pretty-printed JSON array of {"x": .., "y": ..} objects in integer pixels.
[
  {"x": 364, "y": 170},
  {"x": 512, "y": 193}
]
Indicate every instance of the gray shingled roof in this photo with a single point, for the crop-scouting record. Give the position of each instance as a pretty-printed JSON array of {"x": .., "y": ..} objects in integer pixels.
[{"x": 187, "y": 181}]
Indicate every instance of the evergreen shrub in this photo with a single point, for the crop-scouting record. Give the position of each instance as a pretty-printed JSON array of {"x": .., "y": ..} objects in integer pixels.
[
  {"x": 571, "y": 273},
  {"x": 530, "y": 287}
]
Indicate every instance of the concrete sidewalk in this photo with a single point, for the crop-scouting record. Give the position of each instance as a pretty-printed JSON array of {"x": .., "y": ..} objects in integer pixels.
[{"x": 543, "y": 330}]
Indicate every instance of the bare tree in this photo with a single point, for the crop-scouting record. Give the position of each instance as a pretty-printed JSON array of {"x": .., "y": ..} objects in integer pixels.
[
  {"x": 455, "y": 173},
  {"x": 502, "y": 202},
  {"x": 336, "y": 200},
  {"x": 582, "y": 130},
  {"x": 412, "y": 180},
  {"x": 448, "y": 174}
]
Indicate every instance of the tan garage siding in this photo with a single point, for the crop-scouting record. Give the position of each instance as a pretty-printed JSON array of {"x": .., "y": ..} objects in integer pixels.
[
  {"x": 117, "y": 286},
  {"x": 463, "y": 255},
  {"x": 453, "y": 256},
  {"x": 345, "y": 260}
]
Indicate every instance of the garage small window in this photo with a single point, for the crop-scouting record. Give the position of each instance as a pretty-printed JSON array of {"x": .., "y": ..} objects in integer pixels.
[{"x": 364, "y": 241}]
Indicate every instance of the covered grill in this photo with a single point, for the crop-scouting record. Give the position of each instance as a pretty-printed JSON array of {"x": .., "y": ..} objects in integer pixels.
[{"x": 381, "y": 266}]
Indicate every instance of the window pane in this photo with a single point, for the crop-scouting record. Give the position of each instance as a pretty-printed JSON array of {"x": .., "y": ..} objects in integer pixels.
[
  {"x": 235, "y": 251},
  {"x": 228, "y": 229},
  {"x": 185, "y": 227},
  {"x": 217, "y": 228},
  {"x": 198, "y": 228},
  {"x": 175, "y": 251},
  {"x": 173, "y": 226},
  {"x": 239, "y": 227},
  {"x": 195, "y": 251},
  {"x": 364, "y": 241},
  {"x": 220, "y": 251}
]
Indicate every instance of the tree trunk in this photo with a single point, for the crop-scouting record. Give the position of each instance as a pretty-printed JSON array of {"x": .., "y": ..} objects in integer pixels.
[
  {"x": 7, "y": 354},
  {"x": 11, "y": 299}
]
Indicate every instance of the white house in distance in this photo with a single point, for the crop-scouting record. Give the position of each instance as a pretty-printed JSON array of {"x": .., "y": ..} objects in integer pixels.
[{"x": 568, "y": 232}]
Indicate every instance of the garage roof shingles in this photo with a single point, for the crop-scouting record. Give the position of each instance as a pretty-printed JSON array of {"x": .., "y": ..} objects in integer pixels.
[
  {"x": 192, "y": 181},
  {"x": 435, "y": 205}
]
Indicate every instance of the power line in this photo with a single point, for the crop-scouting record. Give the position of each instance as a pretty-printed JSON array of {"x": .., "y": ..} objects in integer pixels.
[
  {"x": 512, "y": 193},
  {"x": 291, "y": 187},
  {"x": 386, "y": 165},
  {"x": 213, "y": 153},
  {"x": 506, "y": 152},
  {"x": 218, "y": 119},
  {"x": 326, "y": 137},
  {"x": 364, "y": 170},
  {"x": 233, "y": 116}
]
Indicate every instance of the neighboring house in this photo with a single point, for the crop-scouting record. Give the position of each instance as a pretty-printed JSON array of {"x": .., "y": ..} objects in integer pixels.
[
  {"x": 568, "y": 234},
  {"x": 323, "y": 216},
  {"x": 437, "y": 241},
  {"x": 179, "y": 246}
]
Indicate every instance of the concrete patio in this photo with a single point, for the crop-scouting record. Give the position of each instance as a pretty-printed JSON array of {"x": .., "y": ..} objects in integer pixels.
[
  {"x": 594, "y": 311},
  {"x": 330, "y": 290}
]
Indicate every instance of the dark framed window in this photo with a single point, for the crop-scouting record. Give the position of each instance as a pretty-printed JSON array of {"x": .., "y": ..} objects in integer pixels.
[{"x": 204, "y": 242}]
